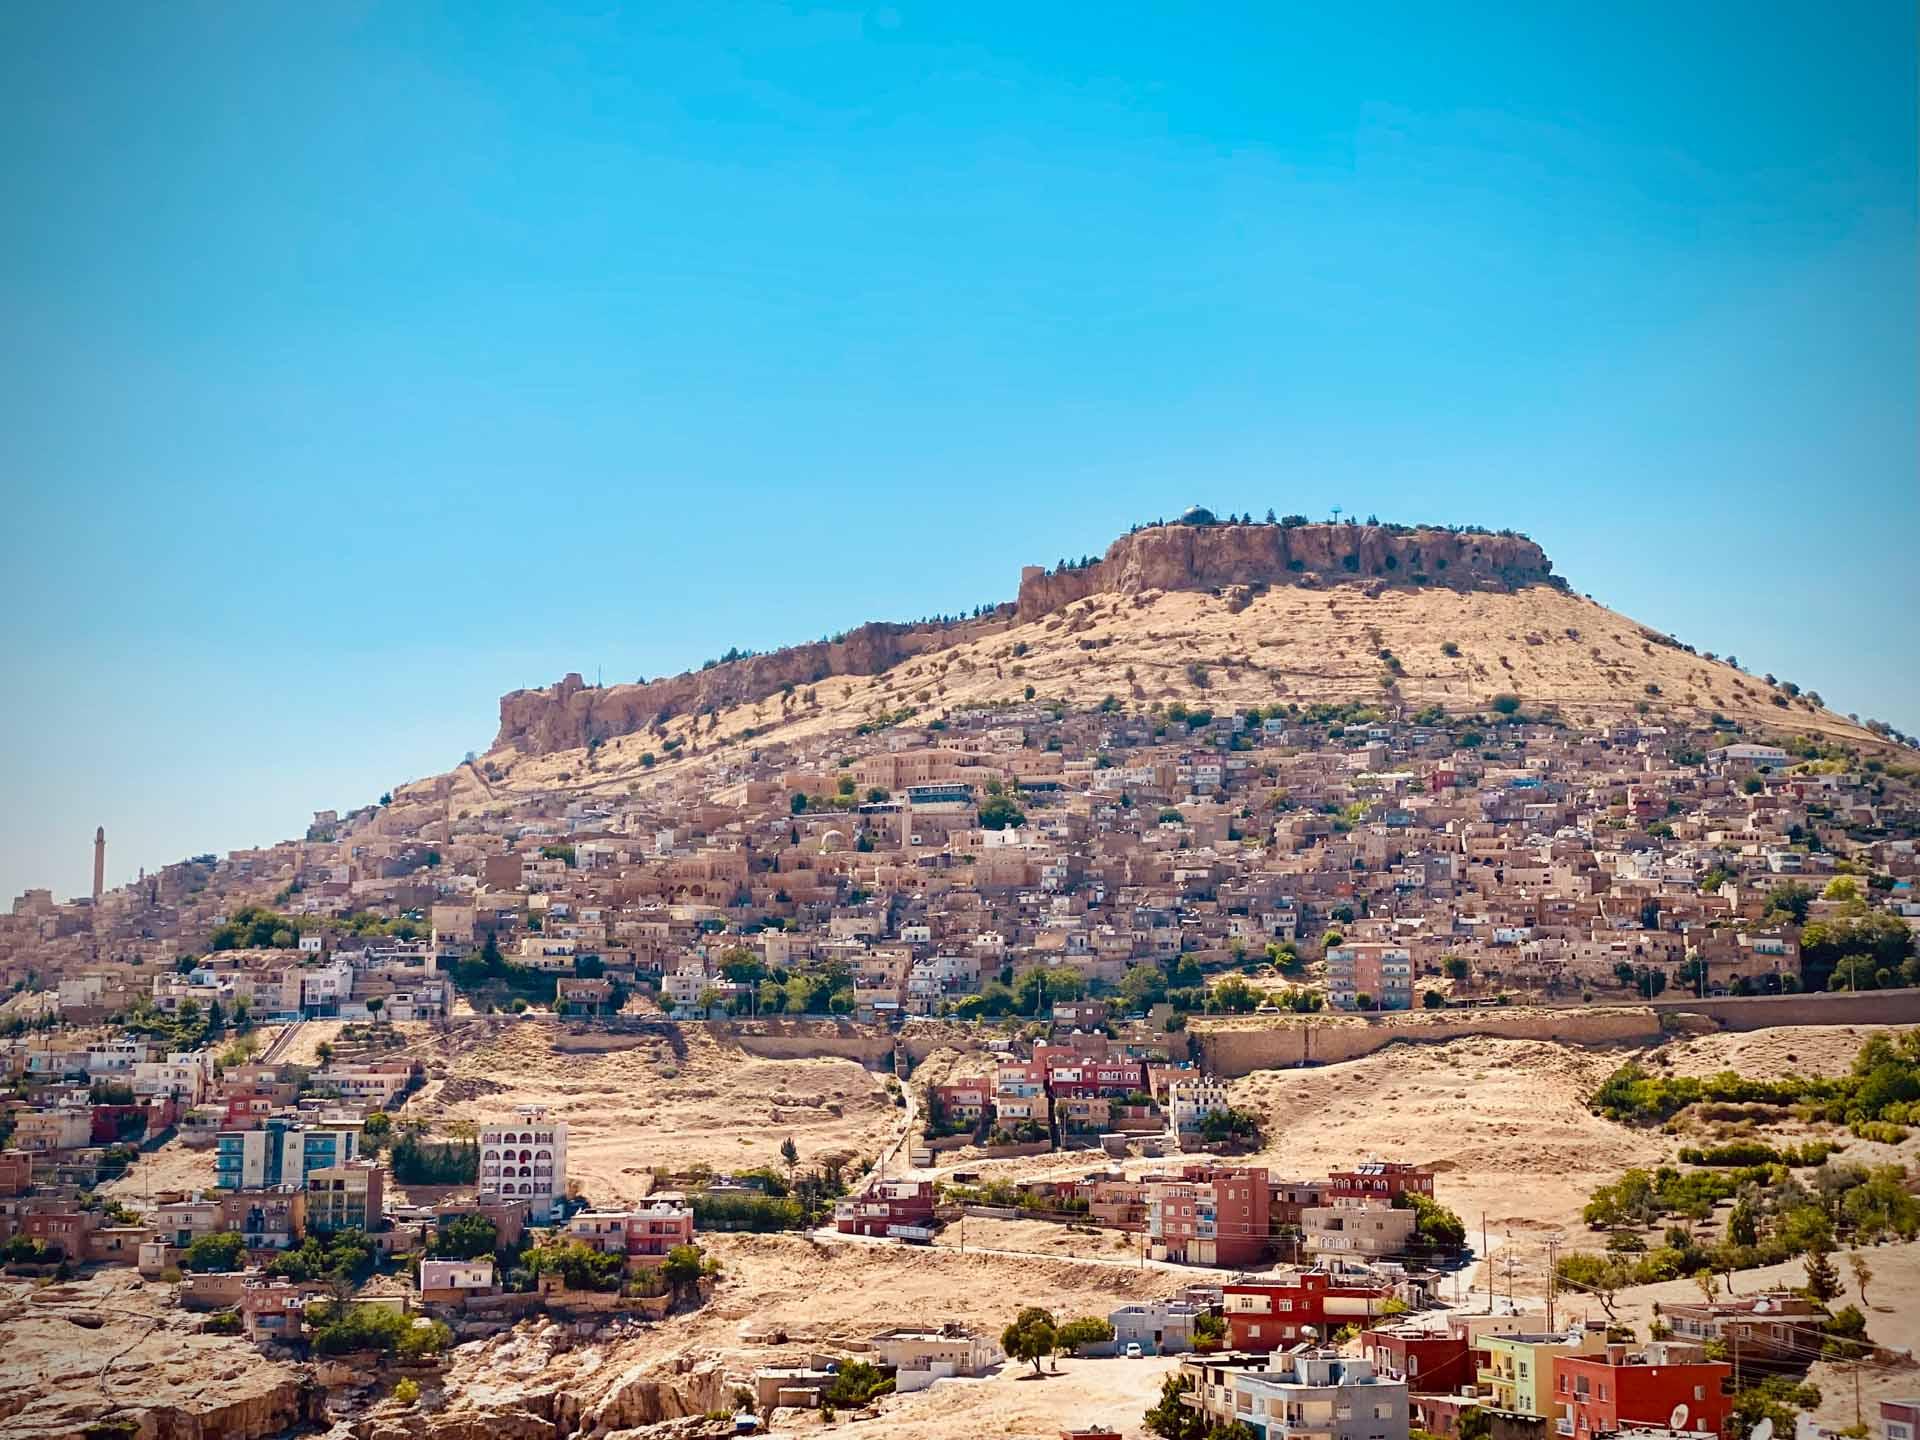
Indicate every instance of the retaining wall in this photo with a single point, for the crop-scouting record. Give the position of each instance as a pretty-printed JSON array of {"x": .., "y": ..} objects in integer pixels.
[
  {"x": 1293, "y": 1040},
  {"x": 1238, "y": 1048}
]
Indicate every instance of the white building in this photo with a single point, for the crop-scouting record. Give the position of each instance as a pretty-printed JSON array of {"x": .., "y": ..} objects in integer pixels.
[
  {"x": 525, "y": 1160},
  {"x": 1191, "y": 1101}
]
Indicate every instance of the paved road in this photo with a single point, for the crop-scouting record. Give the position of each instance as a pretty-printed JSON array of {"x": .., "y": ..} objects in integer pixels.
[{"x": 281, "y": 1042}]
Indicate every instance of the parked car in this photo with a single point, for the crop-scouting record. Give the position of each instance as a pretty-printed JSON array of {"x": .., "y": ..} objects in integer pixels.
[{"x": 1133, "y": 1352}]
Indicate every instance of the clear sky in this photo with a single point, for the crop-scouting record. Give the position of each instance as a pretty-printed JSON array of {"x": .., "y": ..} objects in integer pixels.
[{"x": 363, "y": 361}]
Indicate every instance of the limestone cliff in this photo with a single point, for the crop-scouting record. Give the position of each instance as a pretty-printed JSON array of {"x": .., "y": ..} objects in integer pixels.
[
  {"x": 1207, "y": 557},
  {"x": 572, "y": 713},
  {"x": 1161, "y": 557}
]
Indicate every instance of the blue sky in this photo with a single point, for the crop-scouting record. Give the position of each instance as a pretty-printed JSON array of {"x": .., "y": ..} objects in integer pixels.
[{"x": 363, "y": 361}]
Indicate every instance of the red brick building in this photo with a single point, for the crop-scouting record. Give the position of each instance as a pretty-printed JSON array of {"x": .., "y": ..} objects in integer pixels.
[
  {"x": 1268, "y": 1315},
  {"x": 1378, "y": 1180},
  {"x": 886, "y": 1207},
  {"x": 963, "y": 1104},
  {"x": 1211, "y": 1217},
  {"x": 1088, "y": 1079},
  {"x": 1621, "y": 1387},
  {"x": 1429, "y": 1362}
]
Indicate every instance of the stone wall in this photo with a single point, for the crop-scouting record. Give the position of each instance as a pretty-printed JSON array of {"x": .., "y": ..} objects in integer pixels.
[
  {"x": 1234, "y": 1049},
  {"x": 1762, "y": 1012},
  {"x": 1239, "y": 1047},
  {"x": 802, "y": 1039}
]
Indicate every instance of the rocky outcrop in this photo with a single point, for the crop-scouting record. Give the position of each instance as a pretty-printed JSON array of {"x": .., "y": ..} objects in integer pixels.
[
  {"x": 538, "y": 1382},
  {"x": 106, "y": 1358},
  {"x": 572, "y": 713},
  {"x": 1209, "y": 557},
  {"x": 290, "y": 1405},
  {"x": 1162, "y": 557}
]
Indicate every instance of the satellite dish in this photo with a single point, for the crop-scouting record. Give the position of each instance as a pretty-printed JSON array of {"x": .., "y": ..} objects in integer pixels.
[
  {"x": 1762, "y": 1431},
  {"x": 1677, "y": 1420}
]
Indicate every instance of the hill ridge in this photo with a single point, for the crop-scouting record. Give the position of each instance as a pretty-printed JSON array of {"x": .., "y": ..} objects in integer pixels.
[{"x": 1198, "y": 553}]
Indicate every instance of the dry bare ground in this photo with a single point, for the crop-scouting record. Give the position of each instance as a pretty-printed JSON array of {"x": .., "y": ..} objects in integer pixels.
[{"x": 647, "y": 1101}]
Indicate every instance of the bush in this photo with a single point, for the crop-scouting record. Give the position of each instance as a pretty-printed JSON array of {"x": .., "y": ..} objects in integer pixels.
[
  {"x": 464, "y": 1237},
  {"x": 407, "y": 1392},
  {"x": 343, "y": 1329},
  {"x": 215, "y": 1254},
  {"x": 579, "y": 1265},
  {"x": 757, "y": 1213},
  {"x": 419, "y": 1162}
]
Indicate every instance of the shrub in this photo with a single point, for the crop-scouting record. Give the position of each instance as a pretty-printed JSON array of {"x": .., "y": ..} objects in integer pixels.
[{"x": 214, "y": 1254}]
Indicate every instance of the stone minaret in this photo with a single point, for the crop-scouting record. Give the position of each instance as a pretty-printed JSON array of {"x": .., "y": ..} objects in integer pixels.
[{"x": 99, "y": 862}]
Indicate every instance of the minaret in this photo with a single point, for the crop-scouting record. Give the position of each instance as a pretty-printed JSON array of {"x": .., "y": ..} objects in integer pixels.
[{"x": 99, "y": 861}]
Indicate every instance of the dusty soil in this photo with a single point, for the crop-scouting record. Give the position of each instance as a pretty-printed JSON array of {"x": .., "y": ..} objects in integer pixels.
[
  {"x": 1013, "y": 1403},
  {"x": 651, "y": 1102}
]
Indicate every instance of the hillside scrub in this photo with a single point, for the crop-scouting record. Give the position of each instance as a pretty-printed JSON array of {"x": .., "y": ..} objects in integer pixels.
[
  {"x": 1758, "y": 1152},
  {"x": 1774, "y": 1217},
  {"x": 1883, "y": 1085}
]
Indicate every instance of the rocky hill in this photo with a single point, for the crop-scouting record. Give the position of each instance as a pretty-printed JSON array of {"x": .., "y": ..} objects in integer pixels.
[
  {"x": 1207, "y": 614},
  {"x": 1184, "y": 556}
]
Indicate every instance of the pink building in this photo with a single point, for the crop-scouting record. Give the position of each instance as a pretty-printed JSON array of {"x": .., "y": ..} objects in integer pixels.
[{"x": 644, "y": 1235}]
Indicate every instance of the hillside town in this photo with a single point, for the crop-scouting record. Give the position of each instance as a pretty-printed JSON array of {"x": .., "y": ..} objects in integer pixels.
[{"x": 1044, "y": 905}]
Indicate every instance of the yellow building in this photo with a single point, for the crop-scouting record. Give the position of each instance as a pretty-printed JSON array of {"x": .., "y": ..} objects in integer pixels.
[{"x": 1518, "y": 1374}]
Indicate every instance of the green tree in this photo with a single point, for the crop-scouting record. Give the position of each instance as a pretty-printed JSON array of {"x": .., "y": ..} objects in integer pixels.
[
  {"x": 1433, "y": 1222},
  {"x": 1086, "y": 1330},
  {"x": 580, "y": 1266},
  {"x": 1791, "y": 898},
  {"x": 1823, "y": 1278},
  {"x": 684, "y": 1267},
  {"x": 464, "y": 1237},
  {"x": 215, "y": 1254},
  {"x": 856, "y": 1383},
  {"x": 1778, "y": 1399},
  {"x": 1143, "y": 987},
  {"x": 1171, "y": 1419},
  {"x": 1030, "y": 1337},
  {"x": 1000, "y": 813}
]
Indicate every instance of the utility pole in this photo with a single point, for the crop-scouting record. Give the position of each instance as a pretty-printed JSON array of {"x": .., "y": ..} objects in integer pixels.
[
  {"x": 1553, "y": 1266},
  {"x": 1486, "y": 1258}
]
